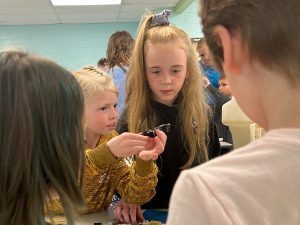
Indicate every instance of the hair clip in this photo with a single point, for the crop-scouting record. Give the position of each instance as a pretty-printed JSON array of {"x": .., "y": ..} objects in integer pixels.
[
  {"x": 93, "y": 69},
  {"x": 160, "y": 18}
]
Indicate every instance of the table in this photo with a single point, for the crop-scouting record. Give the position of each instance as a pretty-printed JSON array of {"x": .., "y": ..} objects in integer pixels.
[
  {"x": 90, "y": 219},
  {"x": 99, "y": 217}
]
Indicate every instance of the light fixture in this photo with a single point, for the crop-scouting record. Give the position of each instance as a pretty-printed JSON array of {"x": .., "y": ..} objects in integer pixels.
[{"x": 85, "y": 2}]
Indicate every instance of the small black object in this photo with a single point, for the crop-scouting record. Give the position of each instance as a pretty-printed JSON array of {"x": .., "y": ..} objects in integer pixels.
[
  {"x": 151, "y": 133},
  {"x": 97, "y": 223}
]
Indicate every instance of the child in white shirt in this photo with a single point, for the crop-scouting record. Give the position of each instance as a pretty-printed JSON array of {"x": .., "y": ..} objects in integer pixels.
[{"x": 256, "y": 44}]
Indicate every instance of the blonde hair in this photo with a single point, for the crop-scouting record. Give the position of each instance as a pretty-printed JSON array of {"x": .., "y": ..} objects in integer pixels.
[
  {"x": 193, "y": 109},
  {"x": 94, "y": 81}
]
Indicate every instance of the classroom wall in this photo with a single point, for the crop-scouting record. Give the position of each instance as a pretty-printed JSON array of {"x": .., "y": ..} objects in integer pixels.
[
  {"x": 189, "y": 20},
  {"x": 75, "y": 45},
  {"x": 71, "y": 45}
]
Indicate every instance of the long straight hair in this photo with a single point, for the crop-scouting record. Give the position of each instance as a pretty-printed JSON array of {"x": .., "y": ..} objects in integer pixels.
[
  {"x": 41, "y": 138},
  {"x": 193, "y": 109}
]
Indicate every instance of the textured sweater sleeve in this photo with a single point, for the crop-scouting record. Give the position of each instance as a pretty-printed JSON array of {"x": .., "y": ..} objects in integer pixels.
[
  {"x": 99, "y": 164},
  {"x": 101, "y": 156},
  {"x": 137, "y": 182},
  {"x": 137, "y": 185}
]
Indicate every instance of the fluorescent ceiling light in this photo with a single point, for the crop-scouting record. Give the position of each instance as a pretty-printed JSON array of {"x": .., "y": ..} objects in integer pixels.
[{"x": 85, "y": 2}]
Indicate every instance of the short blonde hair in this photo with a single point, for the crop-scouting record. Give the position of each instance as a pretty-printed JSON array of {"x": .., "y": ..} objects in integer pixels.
[{"x": 94, "y": 81}]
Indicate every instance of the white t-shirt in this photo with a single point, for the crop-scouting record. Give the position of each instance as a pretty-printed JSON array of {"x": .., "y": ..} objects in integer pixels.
[{"x": 254, "y": 185}]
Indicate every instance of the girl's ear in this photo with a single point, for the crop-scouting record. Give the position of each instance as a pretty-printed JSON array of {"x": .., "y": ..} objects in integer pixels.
[{"x": 232, "y": 49}]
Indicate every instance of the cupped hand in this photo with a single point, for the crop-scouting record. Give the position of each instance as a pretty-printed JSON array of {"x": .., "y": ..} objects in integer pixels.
[
  {"x": 155, "y": 147},
  {"x": 127, "y": 144}
]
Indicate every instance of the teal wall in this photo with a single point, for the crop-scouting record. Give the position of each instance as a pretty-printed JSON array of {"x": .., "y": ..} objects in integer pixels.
[
  {"x": 75, "y": 45},
  {"x": 189, "y": 20},
  {"x": 71, "y": 45}
]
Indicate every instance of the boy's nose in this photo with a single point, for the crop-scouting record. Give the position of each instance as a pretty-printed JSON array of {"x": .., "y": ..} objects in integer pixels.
[{"x": 114, "y": 113}]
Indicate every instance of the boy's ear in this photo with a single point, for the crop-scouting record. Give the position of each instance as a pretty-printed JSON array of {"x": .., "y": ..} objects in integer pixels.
[{"x": 232, "y": 49}]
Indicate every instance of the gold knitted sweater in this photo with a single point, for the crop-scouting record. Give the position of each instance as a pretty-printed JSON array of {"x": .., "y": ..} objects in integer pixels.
[{"x": 105, "y": 175}]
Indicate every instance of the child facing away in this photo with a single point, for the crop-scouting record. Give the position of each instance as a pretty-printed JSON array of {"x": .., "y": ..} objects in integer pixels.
[
  {"x": 39, "y": 160},
  {"x": 164, "y": 86},
  {"x": 118, "y": 53},
  {"x": 105, "y": 170},
  {"x": 256, "y": 44}
]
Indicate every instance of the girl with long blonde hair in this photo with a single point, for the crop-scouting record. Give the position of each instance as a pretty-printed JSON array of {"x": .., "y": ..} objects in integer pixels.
[{"x": 164, "y": 86}]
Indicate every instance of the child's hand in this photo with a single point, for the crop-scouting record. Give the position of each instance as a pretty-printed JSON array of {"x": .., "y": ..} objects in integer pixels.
[
  {"x": 155, "y": 148},
  {"x": 128, "y": 213},
  {"x": 128, "y": 144}
]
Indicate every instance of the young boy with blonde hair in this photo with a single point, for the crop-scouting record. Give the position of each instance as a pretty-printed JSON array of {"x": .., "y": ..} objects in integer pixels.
[{"x": 106, "y": 172}]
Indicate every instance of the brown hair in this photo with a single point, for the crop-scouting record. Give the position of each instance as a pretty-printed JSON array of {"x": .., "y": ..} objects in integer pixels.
[
  {"x": 119, "y": 49},
  {"x": 269, "y": 31},
  {"x": 41, "y": 138},
  {"x": 200, "y": 42},
  {"x": 192, "y": 106},
  {"x": 222, "y": 76},
  {"x": 102, "y": 62}
]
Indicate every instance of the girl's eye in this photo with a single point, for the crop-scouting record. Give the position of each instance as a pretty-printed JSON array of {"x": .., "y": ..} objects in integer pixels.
[
  {"x": 103, "y": 108},
  {"x": 115, "y": 105},
  {"x": 155, "y": 71},
  {"x": 175, "y": 70}
]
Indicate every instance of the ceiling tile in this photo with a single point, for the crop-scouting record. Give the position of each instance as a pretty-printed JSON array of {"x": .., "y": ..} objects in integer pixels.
[
  {"x": 88, "y": 16},
  {"x": 158, "y": 2},
  {"x": 26, "y": 10},
  {"x": 137, "y": 7},
  {"x": 103, "y": 20},
  {"x": 89, "y": 9},
  {"x": 25, "y": 3},
  {"x": 43, "y": 12}
]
